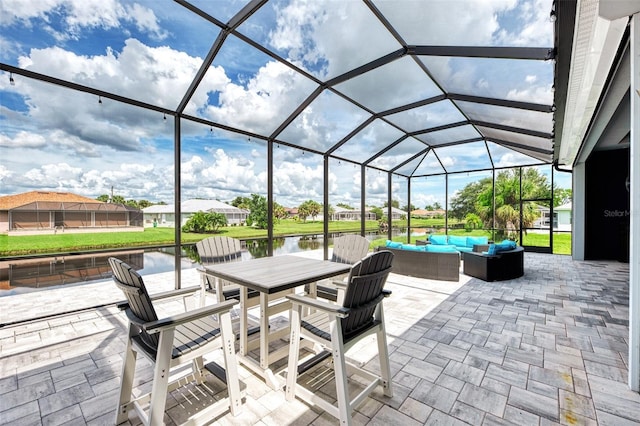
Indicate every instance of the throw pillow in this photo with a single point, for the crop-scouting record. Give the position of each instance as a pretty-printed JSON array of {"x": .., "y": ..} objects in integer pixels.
[
  {"x": 394, "y": 244},
  {"x": 505, "y": 246},
  {"x": 438, "y": 239},
  {"x": 509, "y": 243},
  {"x": 458, "y": 241}
]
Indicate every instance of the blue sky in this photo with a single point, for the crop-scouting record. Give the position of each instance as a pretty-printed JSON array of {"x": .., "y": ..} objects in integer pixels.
[{"x": 53, "y": 138}]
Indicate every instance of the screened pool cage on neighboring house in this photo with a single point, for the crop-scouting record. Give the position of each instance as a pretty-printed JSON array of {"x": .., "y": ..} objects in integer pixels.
[{"x": 54, "y": 216}]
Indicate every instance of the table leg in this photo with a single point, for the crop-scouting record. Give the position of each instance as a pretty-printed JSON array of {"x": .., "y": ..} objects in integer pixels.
[
  {"x": 262, "y": 367},
  {"x": 203, "y": 289},
  {"x": 313, "y": 292},
  {"x": 244, "y": 299},
  {"x": 264, "y": 331}
]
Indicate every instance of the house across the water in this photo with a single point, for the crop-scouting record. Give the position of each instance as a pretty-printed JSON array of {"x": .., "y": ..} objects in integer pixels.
[
  {"x": 164, "y": 214},
  {"x": 48, "y": 212}
]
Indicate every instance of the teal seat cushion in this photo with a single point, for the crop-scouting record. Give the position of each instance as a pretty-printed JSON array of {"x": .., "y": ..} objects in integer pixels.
[
  {"x": 465, "y": 249},
  {"x": 458, "y": 241},
  {"x": 412, "y": 247},
  {"x": 394, "y": 244},
  {"x": 440, "y": 248},
  {"x": 438, "y": 239},
  {"x": 471, "y": 241}
]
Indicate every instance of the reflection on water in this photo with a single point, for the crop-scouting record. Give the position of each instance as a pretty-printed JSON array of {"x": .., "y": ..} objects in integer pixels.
[
  {"x": 18, "y": 276},
  {"x": 259, "y": 248},
  {"x": 25, "y": 275}
]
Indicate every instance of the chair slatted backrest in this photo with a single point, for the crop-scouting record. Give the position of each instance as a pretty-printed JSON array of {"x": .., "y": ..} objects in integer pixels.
[
  {"x": 214, "y": 250},
  {"x": 132, "y": 285},
  {"x": 364, "y": 291},
  {"x": 349, "y": 249}
]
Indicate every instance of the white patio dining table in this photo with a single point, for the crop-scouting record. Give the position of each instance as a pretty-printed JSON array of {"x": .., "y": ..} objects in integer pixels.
[{"x": 273, "y": 277}]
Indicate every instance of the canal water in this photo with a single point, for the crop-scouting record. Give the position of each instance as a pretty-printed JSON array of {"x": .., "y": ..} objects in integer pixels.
[{"x": 42, "y": 273}]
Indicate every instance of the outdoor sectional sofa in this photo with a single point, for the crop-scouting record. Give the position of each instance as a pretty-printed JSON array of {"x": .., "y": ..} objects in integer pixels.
[
  {"x": 503, "y": 265},
  {"x": 444, "y": 266},
  {"x": 460, "y": 243}
]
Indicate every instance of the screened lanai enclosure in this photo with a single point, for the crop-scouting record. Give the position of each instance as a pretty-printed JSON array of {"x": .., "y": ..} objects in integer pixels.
[
  {"x": 358, "y": 103},
  {"x": 514, "y": 118}
]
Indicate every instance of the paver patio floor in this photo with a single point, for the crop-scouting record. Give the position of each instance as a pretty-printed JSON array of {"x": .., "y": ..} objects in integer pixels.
[{"x": 548, "y": 348}]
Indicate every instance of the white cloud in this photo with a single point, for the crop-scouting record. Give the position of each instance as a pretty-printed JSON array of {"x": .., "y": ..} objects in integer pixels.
[
  {"x": 330, "y": 37},
  {"x": 534, "y": 25},
  {"x": 536, "y": 94},
  {"x": 506, "y": 160},
  {"x": 482, "y": 84},
  {"x": 321, "y": 125},
  {"x": 11, "y": 10},
  {"x": 63, "y": 174},
  {"x": 263, "y": 102},
  {"x": 447, "y": 161},
  {"x": 81, "y": 124},
  {"x": 297, "y": 181},
  {"x": 70, "y": 140},
  {"x": 421, "y": 200},
  {"x": 23, "y": 139},
  {"x": 4, "y": 172},
  {"x": 462, "y": 23},
  {"x": 81, "y": 14}
]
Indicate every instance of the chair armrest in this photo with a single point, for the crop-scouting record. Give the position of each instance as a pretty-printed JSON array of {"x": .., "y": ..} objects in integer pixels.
[
  {"x": 479, "y": 255},
  {"x": 319, "y": 304},
  {"x": 186, "y": 317},
  {"x": 339, "y": 284},
  {"x": 479, "y": 248},
  {"x": 165, "y": 295},
  {"x": 174, "y": 294}
]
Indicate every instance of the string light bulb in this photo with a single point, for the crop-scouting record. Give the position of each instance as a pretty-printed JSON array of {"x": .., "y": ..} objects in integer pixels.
[
  {"x": 11, "y": 80},
  {"x": 99, "y": 99}
]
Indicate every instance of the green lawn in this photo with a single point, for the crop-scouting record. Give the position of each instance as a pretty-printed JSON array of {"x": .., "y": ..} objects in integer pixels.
[
  {"x": 561, "y": 241},
  {"x": 68, "y": 242}
]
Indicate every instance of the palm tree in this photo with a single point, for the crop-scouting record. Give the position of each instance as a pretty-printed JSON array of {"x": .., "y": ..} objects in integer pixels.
[{"x": 507, "y": 200}]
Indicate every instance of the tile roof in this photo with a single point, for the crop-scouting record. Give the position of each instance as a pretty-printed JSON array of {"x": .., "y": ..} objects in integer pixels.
[{"x": 9, "y": 202}]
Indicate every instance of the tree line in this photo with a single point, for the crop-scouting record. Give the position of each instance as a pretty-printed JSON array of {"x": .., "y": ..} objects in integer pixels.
[
  {"x": 119, "y": 199},
  {"x": 474, "y": 204}
]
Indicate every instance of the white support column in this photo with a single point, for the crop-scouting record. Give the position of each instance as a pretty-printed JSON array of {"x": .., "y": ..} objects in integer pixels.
[
  {"x": 578, "y": 211},
  {"x": 634, "y": 237}
]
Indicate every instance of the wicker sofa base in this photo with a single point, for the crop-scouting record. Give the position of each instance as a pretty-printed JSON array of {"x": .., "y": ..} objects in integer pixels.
[
  {"x": 506, "y": 265},
  {"x": 430, "y": 265}
]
